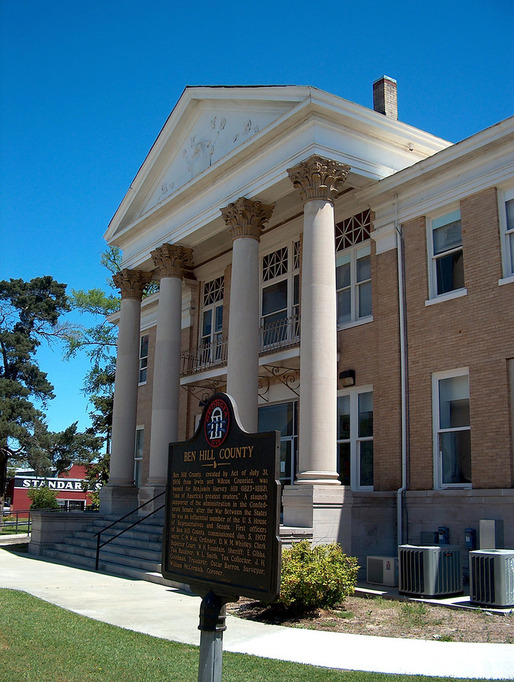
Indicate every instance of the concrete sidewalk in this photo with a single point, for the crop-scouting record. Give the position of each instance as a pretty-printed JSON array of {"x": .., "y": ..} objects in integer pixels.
[{"x": 164, "y": 612}]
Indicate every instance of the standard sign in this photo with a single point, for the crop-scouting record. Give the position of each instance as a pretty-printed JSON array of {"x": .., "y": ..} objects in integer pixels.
[{"x": 223, "y": 508}]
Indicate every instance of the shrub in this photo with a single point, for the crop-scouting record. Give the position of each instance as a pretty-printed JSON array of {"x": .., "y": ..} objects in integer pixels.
[
  {"x": 315, "y": 577},
  {"x": 43, "y": 498}
]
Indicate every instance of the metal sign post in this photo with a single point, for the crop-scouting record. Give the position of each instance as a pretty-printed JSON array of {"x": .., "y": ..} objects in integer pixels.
[
  {"x": 212, "y": 626},
  {"x": 221, "y": 532}
]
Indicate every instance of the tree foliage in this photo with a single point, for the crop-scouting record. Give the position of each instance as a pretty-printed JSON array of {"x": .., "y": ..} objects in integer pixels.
[
  {"x": 43, "y": 498},
  {"x": 29, "y": 314},
  {"x": 99, "y": 343}
]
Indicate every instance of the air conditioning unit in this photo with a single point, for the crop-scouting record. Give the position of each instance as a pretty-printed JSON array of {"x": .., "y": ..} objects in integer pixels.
[
  {"x": 382, "y": 570},
  {"x": 429, "y": 571},
  {"x": 491, "y": 574}
]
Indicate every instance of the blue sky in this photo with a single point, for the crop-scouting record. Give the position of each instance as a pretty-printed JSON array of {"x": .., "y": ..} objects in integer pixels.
[{"x": 86, "y": 87}]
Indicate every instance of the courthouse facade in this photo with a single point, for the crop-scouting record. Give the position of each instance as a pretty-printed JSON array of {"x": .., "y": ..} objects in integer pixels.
[{"x": 349, "y": 281}]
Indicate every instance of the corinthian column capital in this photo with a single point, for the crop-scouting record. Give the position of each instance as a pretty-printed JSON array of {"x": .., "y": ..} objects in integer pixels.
[
  {"x": 318, "y": 178},
  {"x": 172, "y": 260},
  {"x": 132, "y": 283},
  {"x": 246, "y": 218}
]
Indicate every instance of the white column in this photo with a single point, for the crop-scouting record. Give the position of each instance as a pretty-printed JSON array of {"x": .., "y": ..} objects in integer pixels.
[
  {"x": 318, "y": 180},
  {"x": 121, "y": 489},
  {"x": 245, "y": 218},
  {"x": 171, "y": 262}
]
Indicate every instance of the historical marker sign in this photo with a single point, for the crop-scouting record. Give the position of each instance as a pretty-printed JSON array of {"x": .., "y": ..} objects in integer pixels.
[{"x": 223, "y": 508}]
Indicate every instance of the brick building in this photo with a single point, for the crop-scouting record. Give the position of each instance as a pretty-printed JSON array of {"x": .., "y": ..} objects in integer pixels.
[{"x": 349, "y": 280}]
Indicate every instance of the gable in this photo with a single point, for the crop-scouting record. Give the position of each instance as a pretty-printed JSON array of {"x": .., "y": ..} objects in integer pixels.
[
  {"x": 216, "y": 132},
  {"x": 207, "y": 125}
]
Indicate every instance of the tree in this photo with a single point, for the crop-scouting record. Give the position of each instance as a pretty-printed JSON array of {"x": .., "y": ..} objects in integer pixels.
[
  {"x": 29, "y": 314},
  {"x": 99, "y": 343}
]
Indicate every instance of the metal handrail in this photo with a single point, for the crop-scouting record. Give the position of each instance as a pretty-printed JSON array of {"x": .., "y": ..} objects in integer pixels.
[
  {"x": 98, "y": 535},
  {"x": 26, "y": 521}
]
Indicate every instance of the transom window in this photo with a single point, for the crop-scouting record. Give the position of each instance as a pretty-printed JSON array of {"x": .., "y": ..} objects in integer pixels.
[
  {"x": 354, "y": 230},
  {"x": 355, "y": 438},
  {"x": 353, "y": 269},
  {"x": 447, "y": 266},
  {"x": 452, "y": 432},
  {"x": 143, "y": 359}
]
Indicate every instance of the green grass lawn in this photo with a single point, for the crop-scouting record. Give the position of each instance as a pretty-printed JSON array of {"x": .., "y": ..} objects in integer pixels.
[
  {"x": 40, "y": 641},
  {"x": 10, "y": 528}
]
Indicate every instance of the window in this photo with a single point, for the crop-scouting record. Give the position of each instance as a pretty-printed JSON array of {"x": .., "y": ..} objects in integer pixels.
[
  {"x": 445, "y": 248},
  {"x": 143, "y": 359},
  {"x": 283, "y": 418},
  {"x": 353, "y": 269},
  {"x": 138, "y": 456},
  {"x": 280, "y": 295},
  {"x": 211, "y": 329},
  {"x": 355, "y": 438},
  {"x": 452, "y": 441},
  {"x": 507, "y": 231}
]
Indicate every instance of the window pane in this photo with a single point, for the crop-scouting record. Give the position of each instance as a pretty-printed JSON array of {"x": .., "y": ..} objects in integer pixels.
[
  {"x": 344, "y": 306},
  {"x": 509, "y": 207},
  {"x": 366, "y": 463},
  {"x": 296, "y": 290},
  {"x": 456, "y": 456},
  {"x": 274, "y": 297},
  {"x": 365, "y": 299},
  {"x": 511, "y": 243},
  {"x": 447, "y": 237},
  {"x": 454, "y": 402},
  {"x": 450, "y": 272},
  {"x": 286, "y": 461},
  {"x": 207, "y": 323},
  {"x": 343, "y": 417},
  {"x": 365, "y": 414},
  {"x": 277, "y": 418},
  {"x": 364, "y": 268},
  {"x": 144, "y": 346},
  {"x": 343, "y": 464},
  {"x": 219, "y": 319},
  {"x": 343, "y": 276}
]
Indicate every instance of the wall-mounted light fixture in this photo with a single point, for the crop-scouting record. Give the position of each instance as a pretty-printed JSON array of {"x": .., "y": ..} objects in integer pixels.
[{"x": 347, "y": 378}]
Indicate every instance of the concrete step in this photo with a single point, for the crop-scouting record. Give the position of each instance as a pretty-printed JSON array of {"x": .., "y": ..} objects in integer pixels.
[
  {"x": 123, "y": 560},
  {"x": 136, "y": 553},
  {"x": 146, "y": 551}
]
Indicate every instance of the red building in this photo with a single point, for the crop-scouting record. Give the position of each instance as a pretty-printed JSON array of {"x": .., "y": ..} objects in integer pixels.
[{"x": 68, "y": 485}]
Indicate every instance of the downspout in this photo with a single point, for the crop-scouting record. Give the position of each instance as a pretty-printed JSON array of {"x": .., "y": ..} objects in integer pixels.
[{"x": 403, "y": 376}]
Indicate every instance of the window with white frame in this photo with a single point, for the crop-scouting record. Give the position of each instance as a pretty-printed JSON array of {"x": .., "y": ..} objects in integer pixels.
[
  {"x": 445, "y": 249},
  {"x": 282, "y": 417},
  {"x": 280, "y": 294},
  {"x": 452, "y": 431},
  {"x": 138, "y": 456},
  {"x": 143, "y": 359},
  {"x": 211, "y": 327},
  {"x": 507, "y": 230},
  {"x": 355, "y": 438},
  {"x": 353, "y": 269}
]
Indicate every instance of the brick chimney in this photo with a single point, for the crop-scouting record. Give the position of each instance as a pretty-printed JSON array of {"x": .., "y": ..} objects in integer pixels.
[{"x": 385, "y": 99}]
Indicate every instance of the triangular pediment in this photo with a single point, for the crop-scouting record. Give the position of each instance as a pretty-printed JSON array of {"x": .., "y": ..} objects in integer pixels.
[{"x": 207, "y": 125}]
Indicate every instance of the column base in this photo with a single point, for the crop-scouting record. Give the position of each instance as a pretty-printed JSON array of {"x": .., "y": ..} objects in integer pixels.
[
  {"x": 317, "y": 478},
  {"x": 320, "y": 508},
  {"x": 118, "y": 499},
  {"x": 148, "y": 492}
]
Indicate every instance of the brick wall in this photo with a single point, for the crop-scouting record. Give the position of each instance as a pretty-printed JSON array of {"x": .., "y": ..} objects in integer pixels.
[{"x": 472, "y": 331}]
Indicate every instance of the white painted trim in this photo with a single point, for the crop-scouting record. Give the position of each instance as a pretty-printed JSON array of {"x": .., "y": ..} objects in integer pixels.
[
  {"x": 458, "y": 293},
  {"x": 436, "y": 378}
]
